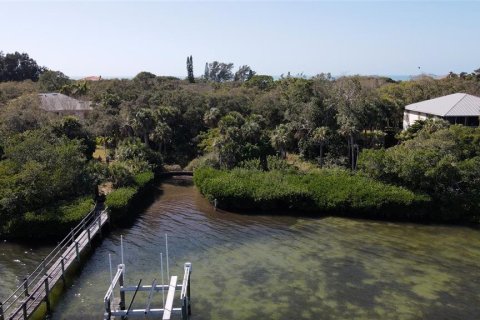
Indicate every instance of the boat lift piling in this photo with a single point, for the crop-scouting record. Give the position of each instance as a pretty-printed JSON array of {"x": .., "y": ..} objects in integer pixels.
[{"x": 116, "y": 307}]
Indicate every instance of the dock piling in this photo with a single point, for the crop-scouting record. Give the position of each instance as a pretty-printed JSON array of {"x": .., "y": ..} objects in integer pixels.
[
  {"x": 77, "y": 251},
  {"x": 163, "y": 289},
  {"x": 89, "y": 237},
  {"x": 25, "y": 286},
  {"x": 99, "y": 226},
  {"x": 62, "y": 262},
  {"x": 122, "y": 293},
  {"x": 47, "y": 294},
  {"x": 1, "y": 312},
  {"x": 189, "y": 265},
  {"x": 121, "y": 252},
  {"x": 166, "y": 253},
  {"x": 24, "y": 308},
  {"x": 108, "y": 310}
]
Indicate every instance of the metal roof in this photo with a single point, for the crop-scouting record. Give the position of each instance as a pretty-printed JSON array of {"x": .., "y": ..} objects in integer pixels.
[
  {"x": 453, "y": 105},
  {"x": 61, "y": 102}
]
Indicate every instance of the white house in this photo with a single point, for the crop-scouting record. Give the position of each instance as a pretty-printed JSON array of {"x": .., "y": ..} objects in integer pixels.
[{"x": 457, "y": 108}]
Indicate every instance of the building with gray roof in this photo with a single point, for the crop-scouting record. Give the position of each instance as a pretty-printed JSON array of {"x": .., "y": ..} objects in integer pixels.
[
  {"x": 64, "y": 105},
  {"x": 457, "y": 108}
]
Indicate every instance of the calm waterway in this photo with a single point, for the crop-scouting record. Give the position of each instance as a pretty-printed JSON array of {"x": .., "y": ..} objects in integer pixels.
[{"x": 276, "y": 267}]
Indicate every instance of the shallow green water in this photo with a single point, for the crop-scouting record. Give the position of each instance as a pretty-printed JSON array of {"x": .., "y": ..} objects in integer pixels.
[{"x": 264, "y": 267}]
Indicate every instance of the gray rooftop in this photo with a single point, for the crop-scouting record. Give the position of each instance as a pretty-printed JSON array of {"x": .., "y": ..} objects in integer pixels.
[
  {"x": 61, "y": 102},
  {"x": 453, "y": 105}
]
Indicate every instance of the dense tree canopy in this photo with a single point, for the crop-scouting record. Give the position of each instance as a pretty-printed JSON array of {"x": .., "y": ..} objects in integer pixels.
[
  {"x": 149, "y": 120},
  {"x": 218, "y": 71},
  {"x": 52, "y": 81},
  {"x": 38, "y": 169},
  {"x": 18, "y": 67},
  {"x": 441, "y": 161}
]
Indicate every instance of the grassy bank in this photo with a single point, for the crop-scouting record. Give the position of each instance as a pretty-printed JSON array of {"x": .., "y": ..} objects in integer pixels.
[
  {"x": 326, "y": 192},
  {"x": 121, "y": 201}
]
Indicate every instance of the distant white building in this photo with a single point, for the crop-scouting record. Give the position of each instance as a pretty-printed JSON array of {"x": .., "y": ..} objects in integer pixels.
[
  {"x": 457, "y": 108},
  {"x": 64, "y": 105}
]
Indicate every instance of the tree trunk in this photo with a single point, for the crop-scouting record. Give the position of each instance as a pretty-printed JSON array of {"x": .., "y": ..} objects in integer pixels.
[
  {"x": 145, "y": 139},
  {"x": 352, "y": 147},
  {"x": 321, "y": 155},
  {"x": 349, "y": 149},
  {"x": 105, "y": 147}
]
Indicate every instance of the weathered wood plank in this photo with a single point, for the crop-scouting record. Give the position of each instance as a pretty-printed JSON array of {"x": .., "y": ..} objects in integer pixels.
[{"x": 170, "y": 295}]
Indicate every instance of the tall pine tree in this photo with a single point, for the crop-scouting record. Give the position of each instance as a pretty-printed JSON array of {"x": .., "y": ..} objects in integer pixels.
[
  {"x": 191, "y": 77},
  {"x": 206, "y": 74}
]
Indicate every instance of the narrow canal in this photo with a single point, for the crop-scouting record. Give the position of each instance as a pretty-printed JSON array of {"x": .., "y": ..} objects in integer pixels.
[{"x": 271, "y": 267}]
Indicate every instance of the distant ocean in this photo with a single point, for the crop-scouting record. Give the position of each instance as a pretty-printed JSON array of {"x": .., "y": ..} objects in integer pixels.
[{"x": 395, "y": 77}]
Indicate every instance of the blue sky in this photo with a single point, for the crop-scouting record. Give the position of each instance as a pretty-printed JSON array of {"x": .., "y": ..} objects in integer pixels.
[{"x": 123, "y": 38}]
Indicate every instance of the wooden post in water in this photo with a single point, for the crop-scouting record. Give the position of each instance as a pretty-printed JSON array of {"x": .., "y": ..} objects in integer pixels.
[
  {"x": 76, "y": 250},
  {"x": 122, "y": 293},
  {"x": 1, "y": 311},
  {"x": 99, "y": 218},
  {"x": 89, "y": 237},
  {"x": 24, "y": 308},
  {"x": 108, "y": 310},
  {"x": 62, "y": 262},
  {"x": 47, "y": 293},
  {"x": 25, "y": 286},
  {"x": 188, "y": 288},
  {"x": 184, "y": 309}
]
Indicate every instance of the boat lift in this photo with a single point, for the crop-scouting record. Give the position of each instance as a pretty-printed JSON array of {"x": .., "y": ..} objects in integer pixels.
[{"x": 116, "y": 307}]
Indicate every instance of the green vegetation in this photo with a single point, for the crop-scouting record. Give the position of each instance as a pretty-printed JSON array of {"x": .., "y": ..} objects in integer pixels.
[
  {"x": 39, "y": 168},
  {"x": 228, "y": 119},
  {"x": 51, "y": 221},
  {"x": 441, "y": 161},
  {"x": 121, "y": 201},
  {"x": 326, "y": 191},
  {"x": 18, "y": 67}
]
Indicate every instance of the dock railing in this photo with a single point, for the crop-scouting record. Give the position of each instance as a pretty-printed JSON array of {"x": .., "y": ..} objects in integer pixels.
[
  {"x": 185, "y": 293},
  {"x": 51, "y": 269},
  {"x": 117, "y": 308}
]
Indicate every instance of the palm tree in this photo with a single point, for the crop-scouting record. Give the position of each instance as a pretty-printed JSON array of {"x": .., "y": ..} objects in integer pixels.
[
  {"x": 320, "y": 136},
  {"x": 211, "y": 117},
  {"x": 279, "y": 139},
  {"x": 350, "y": 131},
  {"x": 161, "y": 135},
  {"x": 142, "y": 123}
]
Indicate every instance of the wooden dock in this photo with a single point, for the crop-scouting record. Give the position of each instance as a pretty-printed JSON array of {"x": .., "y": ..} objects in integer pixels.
[
  {"x": 36, "y": 287},
  {"x": 168, "y": 174}
]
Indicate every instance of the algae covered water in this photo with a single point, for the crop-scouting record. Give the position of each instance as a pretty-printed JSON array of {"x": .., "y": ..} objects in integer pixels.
[{"x": 277, "y": 267}]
